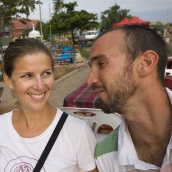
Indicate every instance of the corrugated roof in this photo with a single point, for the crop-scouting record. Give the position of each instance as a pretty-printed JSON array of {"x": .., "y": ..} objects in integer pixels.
[{"x": 20, "y": 25}]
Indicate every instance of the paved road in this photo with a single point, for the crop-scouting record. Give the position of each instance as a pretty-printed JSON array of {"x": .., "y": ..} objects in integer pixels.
[
  {"x": 67, "y": 84},
  {"x": 63, "y": 87}
]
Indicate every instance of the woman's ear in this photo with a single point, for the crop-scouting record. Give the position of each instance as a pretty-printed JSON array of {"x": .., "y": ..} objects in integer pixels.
[
  {"x": 148, "y": 62},
  {"x": 7, "y": 81}
]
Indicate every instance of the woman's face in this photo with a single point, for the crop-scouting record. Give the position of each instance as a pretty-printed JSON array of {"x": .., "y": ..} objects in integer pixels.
[{"x": 32, "y": 80}]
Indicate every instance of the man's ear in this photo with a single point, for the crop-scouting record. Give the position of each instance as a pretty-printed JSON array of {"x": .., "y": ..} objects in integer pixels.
[
  {"x": 147, "y": 63},
  {"x": 7, "y": 81}
]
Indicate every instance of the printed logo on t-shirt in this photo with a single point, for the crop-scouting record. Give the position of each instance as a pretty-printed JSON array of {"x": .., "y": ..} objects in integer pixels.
[{"x": 22, "y": 164}]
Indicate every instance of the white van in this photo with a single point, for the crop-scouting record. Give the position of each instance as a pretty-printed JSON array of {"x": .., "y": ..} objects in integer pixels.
[{"x": 91, "y": 34}]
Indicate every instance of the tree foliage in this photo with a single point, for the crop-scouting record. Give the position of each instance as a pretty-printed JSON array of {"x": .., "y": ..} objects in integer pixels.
[
  {"x": 8, "y": 9},
  {"x": 45, "y": 31},
  {"x": 26, "y": 7},
  {"x": 69, "y": 19},
  {"x": 113, "y": 15},
  {"x": 57, "y": 5},
  {"x": 15, "y": 8}
]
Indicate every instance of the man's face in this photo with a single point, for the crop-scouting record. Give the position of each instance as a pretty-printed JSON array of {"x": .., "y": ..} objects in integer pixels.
[{"x": 111, "y": 75}]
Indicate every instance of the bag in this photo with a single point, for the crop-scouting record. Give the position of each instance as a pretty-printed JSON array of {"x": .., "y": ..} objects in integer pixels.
[{"x": 50, "y": 143}]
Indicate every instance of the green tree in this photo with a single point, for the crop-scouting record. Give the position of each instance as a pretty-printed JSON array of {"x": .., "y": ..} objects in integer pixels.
[
  {"x": 8, "y": 8},
  {"x": 14, "y": 8},
  {"x": 69, "y": 19},
  {"x": 113, "y": 15},
  {"x": 57, "y": 5},
  {"x": 26, "y": 7}
]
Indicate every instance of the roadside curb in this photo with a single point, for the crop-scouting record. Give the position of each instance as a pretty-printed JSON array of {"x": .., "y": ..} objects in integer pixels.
[{"x": 68, "y": 74}]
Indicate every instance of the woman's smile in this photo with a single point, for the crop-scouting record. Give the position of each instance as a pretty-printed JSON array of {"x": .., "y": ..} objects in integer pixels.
[{"x": 37, "y": 96}]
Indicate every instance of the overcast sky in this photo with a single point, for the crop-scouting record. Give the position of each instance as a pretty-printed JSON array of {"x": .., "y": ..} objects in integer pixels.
[{"x": 150, "y": 10}]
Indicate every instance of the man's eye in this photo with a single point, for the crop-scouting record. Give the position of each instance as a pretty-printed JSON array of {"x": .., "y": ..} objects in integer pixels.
[{"x": 101, "y": 64}]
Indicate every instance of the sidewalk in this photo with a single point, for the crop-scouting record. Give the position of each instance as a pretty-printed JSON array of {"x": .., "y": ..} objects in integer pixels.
[{"x": 63, "y": 87}]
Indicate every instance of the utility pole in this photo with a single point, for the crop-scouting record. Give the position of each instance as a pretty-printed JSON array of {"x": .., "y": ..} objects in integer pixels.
[
  {"x": 1, "y": 41},
  {"x": 1, "y": 34},
  {"x": 50, "y": 23},
  {"x": 40, "y": 19},
  {"x": 167, "y": 19}
]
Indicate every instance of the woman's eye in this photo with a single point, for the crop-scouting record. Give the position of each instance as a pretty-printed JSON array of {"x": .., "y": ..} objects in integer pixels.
[
  {"x": 26, "y": 76},
  {"x": 47, "y": 73}
]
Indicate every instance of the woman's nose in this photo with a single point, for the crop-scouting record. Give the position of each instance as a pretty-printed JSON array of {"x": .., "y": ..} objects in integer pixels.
[{"x": 39, "y": 84}]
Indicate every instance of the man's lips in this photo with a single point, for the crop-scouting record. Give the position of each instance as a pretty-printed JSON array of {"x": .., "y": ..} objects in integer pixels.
[
  {"x": 98, "y": 89},
  {"x": 99, "y": 92}
]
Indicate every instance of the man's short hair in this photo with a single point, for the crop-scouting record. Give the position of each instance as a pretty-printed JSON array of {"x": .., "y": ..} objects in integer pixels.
[{"x": 138, "y": 39}]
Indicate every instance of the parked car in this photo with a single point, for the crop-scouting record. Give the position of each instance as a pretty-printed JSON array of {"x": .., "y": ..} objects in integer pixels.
[
  {"x": 91, "y": 34},
  {"x": 4, "y": 47}
]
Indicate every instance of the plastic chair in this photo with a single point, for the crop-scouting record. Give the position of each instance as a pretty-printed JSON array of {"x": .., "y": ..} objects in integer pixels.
[
  {"x": 66, "y": 57},
  {"x": 94, "y": 117},
  {"x": 168, "y": 82},
  {"x": 168, "y": 72}
]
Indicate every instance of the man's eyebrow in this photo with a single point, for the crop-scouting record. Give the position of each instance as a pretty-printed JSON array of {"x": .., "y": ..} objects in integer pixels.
[{"x": 94, "y": 58}]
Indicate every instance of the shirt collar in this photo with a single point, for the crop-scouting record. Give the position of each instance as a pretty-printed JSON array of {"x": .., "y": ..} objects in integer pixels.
[{"x": 126, "y": 151}]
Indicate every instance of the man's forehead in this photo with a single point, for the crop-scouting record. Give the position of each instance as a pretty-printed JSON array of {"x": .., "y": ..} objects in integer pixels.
[
  {"x": 114, "y": 39},
  {"x": 111, "y": 34},
  {"x": 110, "y": 38},
  {"x": 107, "y": 46}
]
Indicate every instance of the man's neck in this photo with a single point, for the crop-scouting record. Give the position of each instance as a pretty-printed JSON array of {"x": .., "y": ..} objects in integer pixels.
[{"x": 150, "y": 128}]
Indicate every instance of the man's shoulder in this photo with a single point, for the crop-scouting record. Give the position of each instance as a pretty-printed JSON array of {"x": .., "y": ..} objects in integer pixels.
[{"x": 109, "y": 144}]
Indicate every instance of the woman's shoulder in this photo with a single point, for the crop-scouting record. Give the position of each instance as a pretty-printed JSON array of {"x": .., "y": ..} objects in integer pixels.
[
  {"x": 76, "y": 124},
  {"x": 73, "y": 119},
  {"x": 78, "y": 129},
  {"x": 76, "y": 120},
  {"x": 6, "y": 115},
  {"x": 4, "y": 119}
]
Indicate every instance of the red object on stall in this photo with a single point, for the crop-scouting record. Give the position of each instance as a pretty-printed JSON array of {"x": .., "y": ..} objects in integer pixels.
[
  {"x": 168, "y": 82},
  {"x": 125, "y": 21},
  {"x": 134, "y": 20}
]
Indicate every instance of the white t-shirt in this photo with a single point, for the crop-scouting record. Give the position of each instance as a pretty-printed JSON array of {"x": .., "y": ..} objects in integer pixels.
[
  {"x": 116, "y": 153},
  {"x": 72, "y": 151}
]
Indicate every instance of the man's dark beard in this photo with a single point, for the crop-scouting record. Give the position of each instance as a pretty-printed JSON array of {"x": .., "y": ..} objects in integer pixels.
[{"x": 118, "y": 97}]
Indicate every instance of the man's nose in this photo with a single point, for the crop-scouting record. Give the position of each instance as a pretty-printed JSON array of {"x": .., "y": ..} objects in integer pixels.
[{"x": 92, "y": 77}]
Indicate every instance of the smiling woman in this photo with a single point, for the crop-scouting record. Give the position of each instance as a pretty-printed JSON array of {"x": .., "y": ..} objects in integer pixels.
[{"x": 28, "y": 72}]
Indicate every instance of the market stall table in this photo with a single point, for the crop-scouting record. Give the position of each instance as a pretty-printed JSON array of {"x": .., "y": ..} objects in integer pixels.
[
  {"x": 83, "y": 97},
  {"x": 168, "y": 82}
]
